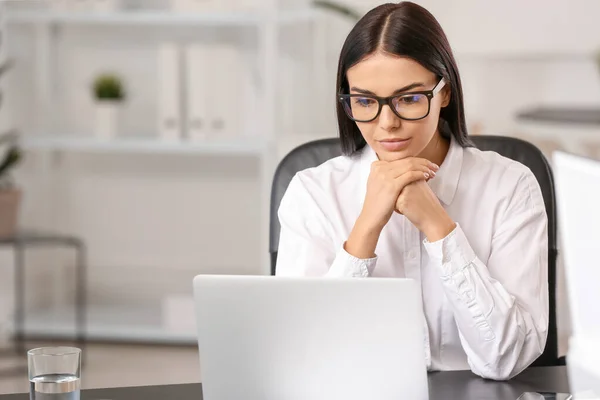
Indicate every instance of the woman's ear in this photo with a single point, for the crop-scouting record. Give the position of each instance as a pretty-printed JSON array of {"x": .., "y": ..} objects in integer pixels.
[{"x": 446, "y": 92}]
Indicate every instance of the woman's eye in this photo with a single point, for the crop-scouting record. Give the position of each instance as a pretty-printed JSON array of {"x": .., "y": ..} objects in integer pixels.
[
  {"x": 410, "y": 99},
  {"x": 363, "y": 101}
]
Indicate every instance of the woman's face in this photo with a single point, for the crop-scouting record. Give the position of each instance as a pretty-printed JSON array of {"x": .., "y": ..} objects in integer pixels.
[{"x": 385, "y": 75}]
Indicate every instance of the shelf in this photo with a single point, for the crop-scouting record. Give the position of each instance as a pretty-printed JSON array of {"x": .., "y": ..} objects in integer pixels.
[
  {"x": 233, "y": 146},
  {"x": 107, "y": 323},
  {"x": 578, "y": 116},
  {"x": 157, "y": 17}
]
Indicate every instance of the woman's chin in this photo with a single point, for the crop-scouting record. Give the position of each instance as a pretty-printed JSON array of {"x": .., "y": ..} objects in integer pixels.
[{"x": 390, "y": 156}]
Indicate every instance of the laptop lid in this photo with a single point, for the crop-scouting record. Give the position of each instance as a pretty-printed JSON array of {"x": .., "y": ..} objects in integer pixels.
[
  {"x": 578, "y": 200},
  {"x": 273, "y": 338}
]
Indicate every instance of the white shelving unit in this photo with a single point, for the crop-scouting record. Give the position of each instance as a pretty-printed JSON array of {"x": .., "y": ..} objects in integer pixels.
[
  {"x": 122, "y": 322},
  {"x": 161, "y": 17},
  {"x": 241, "y": 146}
]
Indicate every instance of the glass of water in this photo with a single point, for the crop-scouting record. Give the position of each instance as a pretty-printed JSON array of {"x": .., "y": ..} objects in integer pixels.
[{"x": 54, "y": 373}]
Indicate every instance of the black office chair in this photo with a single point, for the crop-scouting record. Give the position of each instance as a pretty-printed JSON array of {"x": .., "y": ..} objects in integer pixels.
[{"x": 316, "y": 152}]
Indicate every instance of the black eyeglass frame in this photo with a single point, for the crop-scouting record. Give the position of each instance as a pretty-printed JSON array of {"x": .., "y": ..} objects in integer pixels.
[{"x": 430, "y": 94}]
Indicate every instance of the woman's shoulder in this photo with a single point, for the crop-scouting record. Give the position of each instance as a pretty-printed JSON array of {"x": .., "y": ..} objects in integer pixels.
[
  {"x": 321, "y": 185},
  {"x": 500, "y": 178},
  {"x": 331, "y": 173},
  {"x": 491, "y": 164}
]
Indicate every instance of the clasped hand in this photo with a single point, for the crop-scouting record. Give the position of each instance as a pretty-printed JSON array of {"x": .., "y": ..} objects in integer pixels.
[{"x": 401, "y": 186}]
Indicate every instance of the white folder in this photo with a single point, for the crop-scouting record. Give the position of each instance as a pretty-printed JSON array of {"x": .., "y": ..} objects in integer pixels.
[
  {"x": 169, "y": 92},
  {"x": 286, "y": 87},
  {"x": 197, "y": 88},
  {"x": 227, "y": 99}
]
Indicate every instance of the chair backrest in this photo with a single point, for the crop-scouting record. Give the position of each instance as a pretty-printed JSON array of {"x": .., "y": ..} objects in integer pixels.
[
  {"x": 305, "y": 156},
  {"x": 316, "y": 152}
]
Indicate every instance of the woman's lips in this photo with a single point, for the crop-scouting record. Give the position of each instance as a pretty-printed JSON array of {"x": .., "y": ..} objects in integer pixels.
[{"x": 394, "y": 144}]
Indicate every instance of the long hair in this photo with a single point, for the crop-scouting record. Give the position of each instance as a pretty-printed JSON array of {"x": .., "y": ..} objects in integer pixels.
[{"x": 408, "y": 30}]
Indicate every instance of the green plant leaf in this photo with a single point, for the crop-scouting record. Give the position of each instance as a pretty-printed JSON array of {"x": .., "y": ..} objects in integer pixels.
[
  {"x": 108, "y": 87},
  {"x": 13, "y": 154},
  {"x": 12, "y": 158}
]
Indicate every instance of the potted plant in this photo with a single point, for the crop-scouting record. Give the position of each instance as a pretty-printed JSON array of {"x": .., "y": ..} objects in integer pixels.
[
  {"x": 109, "y": 94},
  {"x": 10, "y": 195}
]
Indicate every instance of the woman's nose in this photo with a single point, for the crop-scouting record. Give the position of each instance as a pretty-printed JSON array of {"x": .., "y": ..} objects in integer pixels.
[{"x": 388, "y": 120}]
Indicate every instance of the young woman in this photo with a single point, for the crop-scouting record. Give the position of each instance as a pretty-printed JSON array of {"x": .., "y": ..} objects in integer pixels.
[{"x": 412, "y": 198}]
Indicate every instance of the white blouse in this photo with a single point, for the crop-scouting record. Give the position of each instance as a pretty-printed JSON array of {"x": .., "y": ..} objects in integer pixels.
[{"x": 484, "y": 286}]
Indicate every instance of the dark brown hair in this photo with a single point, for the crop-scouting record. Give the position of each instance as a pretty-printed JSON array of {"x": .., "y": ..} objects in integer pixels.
[{"x": 408, "y": 30}]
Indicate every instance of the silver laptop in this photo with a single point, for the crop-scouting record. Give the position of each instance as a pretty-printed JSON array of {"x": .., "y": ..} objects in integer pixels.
[
  {"x": 578, "y": 198},
  {"x": 281, "y": 338}
]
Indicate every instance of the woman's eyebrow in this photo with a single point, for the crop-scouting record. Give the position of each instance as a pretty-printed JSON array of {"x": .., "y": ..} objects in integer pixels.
[{"x": 401, "y": 90}]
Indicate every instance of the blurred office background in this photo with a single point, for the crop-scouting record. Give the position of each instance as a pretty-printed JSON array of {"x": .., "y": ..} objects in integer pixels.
[{"x": 150, "y": 130}]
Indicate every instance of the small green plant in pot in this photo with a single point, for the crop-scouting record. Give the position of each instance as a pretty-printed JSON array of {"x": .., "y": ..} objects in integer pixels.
[
  {"x": 10, "y": 194},
  {"x": 109, "y": 95}
]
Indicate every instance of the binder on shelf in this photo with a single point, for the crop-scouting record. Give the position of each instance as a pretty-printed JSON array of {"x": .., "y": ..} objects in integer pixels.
[
  {"x": 227, "y": 100},
  {"x": 169, "y": 92},
  {"x": 197, "y": 89},
  {"x": 287, "y": 93}
]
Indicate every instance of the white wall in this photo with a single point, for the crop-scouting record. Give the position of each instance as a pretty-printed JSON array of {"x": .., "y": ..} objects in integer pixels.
[{"x": 152, "y": 222}]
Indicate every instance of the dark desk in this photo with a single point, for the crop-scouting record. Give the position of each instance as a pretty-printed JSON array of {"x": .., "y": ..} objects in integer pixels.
[{"x": 461, "y": 385}]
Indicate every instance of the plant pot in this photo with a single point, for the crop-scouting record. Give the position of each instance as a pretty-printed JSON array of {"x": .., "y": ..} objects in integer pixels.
[
  {"x": 10, "y": 203},
  {"x": 107, "y": 119}
]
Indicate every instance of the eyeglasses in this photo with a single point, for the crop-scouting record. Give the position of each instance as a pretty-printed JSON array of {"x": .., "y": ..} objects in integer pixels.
[{"x": 408, "y": 106}]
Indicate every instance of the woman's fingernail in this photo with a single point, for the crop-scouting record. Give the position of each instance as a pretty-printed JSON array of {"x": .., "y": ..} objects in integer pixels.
[
  {"x": 432, "y": 173},
  {"x": 426, "y": 175},
  {"x": 435, "y": 167}
]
